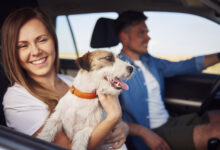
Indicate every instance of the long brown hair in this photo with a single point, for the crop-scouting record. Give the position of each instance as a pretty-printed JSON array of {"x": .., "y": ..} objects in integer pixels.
[{"x": 13, "y": 70}]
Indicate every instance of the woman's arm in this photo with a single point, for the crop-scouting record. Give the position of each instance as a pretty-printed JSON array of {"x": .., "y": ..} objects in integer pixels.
[
  {"x": 118, "y": 135},
  {"x": 60, "y": 139},
  {"x": 113, "y": 115},
  {"x": 113, "y": 111}
]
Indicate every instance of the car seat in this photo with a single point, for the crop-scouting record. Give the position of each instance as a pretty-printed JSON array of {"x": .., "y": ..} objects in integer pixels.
[
  {"x": 4, "y": 83},
  {"x": 104, "y": 34}
]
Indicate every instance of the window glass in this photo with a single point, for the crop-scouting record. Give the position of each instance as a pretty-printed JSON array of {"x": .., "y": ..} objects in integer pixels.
[
  {"x": 65, "y": 40},
  {"x": 179, "y": 36},
  {"x": 174, "y": 36},
  {"x": 182, "y": 34},
  {"x": 82, "y": 26}
]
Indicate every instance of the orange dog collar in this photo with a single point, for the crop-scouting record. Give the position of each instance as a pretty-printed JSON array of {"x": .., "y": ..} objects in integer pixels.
[{"x": 80, "y": 94}]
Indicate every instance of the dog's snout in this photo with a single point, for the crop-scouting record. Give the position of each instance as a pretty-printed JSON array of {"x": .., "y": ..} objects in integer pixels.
[{"x": 130, "y": 69}]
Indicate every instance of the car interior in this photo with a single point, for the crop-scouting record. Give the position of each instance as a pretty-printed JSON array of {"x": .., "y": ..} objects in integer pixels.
[{"x": 184, "y": 94}]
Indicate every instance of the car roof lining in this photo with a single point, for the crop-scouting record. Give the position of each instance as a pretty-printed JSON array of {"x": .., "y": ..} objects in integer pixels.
[
  {"x": 205, "y": 8},
  {"x": 66, "y": 7}
]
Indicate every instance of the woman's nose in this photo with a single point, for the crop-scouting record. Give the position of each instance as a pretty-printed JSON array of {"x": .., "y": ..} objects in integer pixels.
[{"x": 35, "y": 49}]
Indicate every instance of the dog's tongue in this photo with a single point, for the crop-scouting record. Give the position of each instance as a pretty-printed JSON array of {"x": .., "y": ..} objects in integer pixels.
[{"x": 120, "y": 84}]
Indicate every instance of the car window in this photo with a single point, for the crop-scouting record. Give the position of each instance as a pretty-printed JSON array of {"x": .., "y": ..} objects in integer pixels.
[
  {"x": 65, "y": 40},
  {"x": 82, "y": 28},
  {"x": 174, "y": 36},
  {"x": 179, "y": 36}
]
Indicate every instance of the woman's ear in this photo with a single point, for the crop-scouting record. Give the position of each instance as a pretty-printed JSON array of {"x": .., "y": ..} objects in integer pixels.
[{"x": 83, "y": 62}]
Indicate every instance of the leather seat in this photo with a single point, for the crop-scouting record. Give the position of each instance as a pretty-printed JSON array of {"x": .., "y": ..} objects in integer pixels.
[{"x": 4, "y": 83}]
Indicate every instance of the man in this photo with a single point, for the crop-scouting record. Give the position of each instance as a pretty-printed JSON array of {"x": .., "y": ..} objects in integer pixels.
[{"x": 143, "y": 106}]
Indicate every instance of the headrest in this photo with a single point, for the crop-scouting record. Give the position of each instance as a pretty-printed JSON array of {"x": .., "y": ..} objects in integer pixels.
[{"x": 104, "y": 34}]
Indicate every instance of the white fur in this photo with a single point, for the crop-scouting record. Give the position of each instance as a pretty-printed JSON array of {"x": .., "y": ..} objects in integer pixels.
[{"x": 78, "y": 117}]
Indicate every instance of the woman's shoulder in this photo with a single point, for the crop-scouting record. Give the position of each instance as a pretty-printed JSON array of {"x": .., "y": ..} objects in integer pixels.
[
  {"x": 17, "y": 94},
  {"x": 66, "y": 78},
  {"x": 15, "y": 90}
]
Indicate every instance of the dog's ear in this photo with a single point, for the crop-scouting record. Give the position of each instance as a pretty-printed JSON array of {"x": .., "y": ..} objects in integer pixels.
[{"x": 84, "y": 62}]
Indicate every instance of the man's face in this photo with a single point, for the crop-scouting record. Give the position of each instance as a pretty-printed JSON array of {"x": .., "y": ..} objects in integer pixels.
[{"x": 136, "y": 39}]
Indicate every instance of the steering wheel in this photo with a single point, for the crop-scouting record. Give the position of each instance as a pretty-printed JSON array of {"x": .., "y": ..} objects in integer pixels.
[{"x": 210, "y": 97}]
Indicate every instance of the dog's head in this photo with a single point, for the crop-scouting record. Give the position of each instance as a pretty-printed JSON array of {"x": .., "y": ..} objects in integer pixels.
[{"x": 106, "y": 70}]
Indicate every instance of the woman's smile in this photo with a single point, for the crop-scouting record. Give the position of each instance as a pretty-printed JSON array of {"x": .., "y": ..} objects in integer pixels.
[{"x": 40, "y": 61}]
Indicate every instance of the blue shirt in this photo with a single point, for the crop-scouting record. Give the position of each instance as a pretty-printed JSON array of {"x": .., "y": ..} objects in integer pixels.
[{"x": 133, "y": 102}]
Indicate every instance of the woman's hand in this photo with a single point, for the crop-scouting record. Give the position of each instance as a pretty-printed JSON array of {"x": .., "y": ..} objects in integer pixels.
[
  {"x": 118, "y": 135},
  {"x": 111, "y": 106}
]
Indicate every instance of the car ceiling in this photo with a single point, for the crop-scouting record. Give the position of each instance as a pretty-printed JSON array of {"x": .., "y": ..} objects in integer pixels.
[{"x": 207, "y": 8}]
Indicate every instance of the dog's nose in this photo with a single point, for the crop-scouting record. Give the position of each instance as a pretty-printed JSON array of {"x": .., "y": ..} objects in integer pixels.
[{"x": 130, "y": 69}]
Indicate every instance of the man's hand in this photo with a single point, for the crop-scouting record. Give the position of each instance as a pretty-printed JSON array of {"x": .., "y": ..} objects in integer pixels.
[
  {"x": 118, "y": 135},
  {"x": 151, "y": 139},
  {"x": 155, "y": 142},
  {"x": 210, "y": 60}
]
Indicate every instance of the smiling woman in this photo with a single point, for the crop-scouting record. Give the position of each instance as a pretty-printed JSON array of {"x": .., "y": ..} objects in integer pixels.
[
  {"x": 23, "y": 42},
  {"x": 30, "y": 60}
]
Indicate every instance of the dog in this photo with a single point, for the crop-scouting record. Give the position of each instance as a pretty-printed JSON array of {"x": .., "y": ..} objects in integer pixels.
[{"x": 100, "y": 72}]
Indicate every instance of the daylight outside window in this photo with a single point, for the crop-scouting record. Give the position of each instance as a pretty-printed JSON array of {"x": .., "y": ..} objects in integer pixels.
[{"x": 174, "y": 36}]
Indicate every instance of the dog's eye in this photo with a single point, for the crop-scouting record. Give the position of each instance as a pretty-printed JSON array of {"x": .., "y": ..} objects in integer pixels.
[{"x": 109, "y": 58}]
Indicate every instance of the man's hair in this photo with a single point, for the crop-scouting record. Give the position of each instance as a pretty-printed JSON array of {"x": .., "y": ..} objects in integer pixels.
[{"x": 128, "y": 18}]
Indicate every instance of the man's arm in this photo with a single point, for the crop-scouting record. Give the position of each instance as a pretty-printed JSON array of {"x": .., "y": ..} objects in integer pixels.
[
  {"x": 210, "y": 60},
  {"x": 151, "y": 139}
]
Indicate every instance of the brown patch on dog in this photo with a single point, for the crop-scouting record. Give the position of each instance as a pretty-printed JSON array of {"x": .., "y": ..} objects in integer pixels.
[
  {"x": 95, "y": 60},
  {"x": 101, "y": 59},
  {"x": 83, "y": 62}
]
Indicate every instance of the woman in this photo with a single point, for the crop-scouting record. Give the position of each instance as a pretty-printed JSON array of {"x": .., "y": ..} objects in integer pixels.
[{"x": 31, "y": 63}]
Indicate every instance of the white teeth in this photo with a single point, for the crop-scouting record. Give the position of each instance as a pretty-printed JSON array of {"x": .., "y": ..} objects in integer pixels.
[{"x": 39, "y": 61}]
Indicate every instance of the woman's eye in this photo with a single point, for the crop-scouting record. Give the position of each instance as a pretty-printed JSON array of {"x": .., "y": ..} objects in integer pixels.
[
  {"x": 43, "y": 40},
  {"x": 21, "y": 46}
]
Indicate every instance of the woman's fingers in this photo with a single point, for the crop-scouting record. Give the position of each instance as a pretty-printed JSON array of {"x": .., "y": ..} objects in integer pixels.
[
  {"x": 118, "y": 144},
  {"x": 114, "y": 138},
  {"x": 111, "y": 105},
  {"x": 118, "y": 136}
]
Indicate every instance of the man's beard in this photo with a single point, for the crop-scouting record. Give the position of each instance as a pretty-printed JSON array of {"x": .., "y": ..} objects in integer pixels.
[{"x": 138, "y": 52}]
